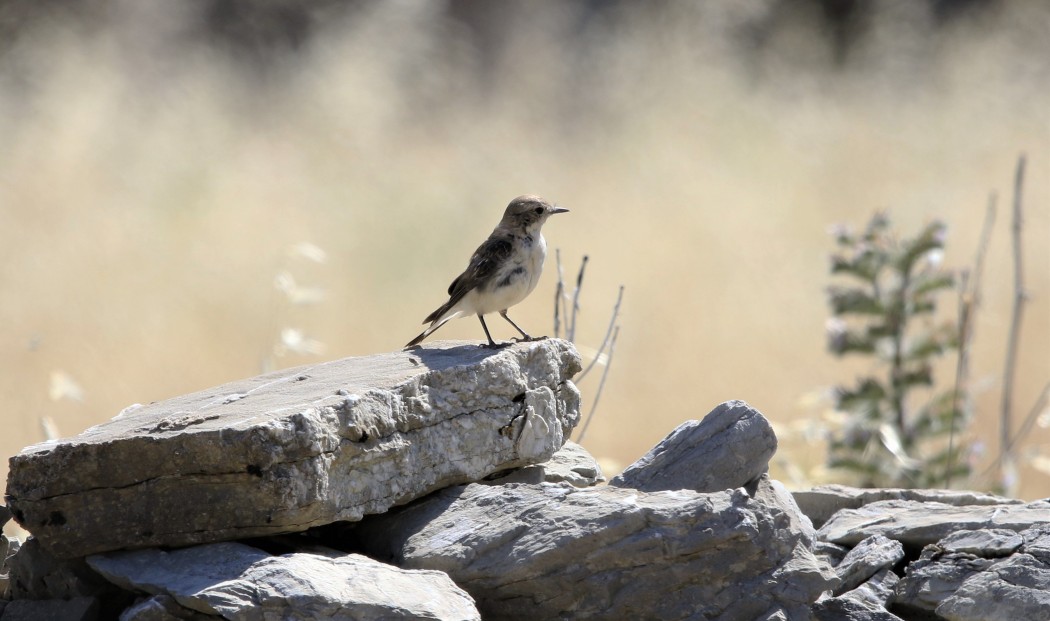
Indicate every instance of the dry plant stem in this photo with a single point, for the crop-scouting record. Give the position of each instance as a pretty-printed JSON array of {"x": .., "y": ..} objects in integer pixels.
[
  {"x": 608, "y": 334},
  {"x": 1010, "y": 368},
  {"x": 560, "y": 312},
  {"x": 571, "y": 328},
  {"x": 1026, "y": 426},
  {"x": 1033, "y": 414},
  {"x": 559, "y": 292},
  {"x": 601, "y": 383},
  {"x": 969, "y": 302},
  {"x": 897, "y": 371}
]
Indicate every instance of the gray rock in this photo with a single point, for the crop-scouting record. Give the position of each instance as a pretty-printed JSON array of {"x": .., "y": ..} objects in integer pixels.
[
  {"x": 37, "y": 574},
  {"x": 1009, "y": 590},
  {"x": 989, "y": 543},
  {"x": 934, "y": 577},
  {"x": 571, "y": 463},
  {"x": 163, "y": 608},
  {"x": 920, "y": 523},
  {"x": 729, "y": 448},
  {"x": 876, "y": 592},
  {"x": 846, "y": 609},
  {"x": 76, "y": 609},
  {"x": 820, "y": 503},
  {"x": 13, "y": 545},
  {"x": 5, "y": 581},
  {"x": 963, "y": 576},
  {"x": 8, "y": 549},
  {"x": 830, "y": 553},
  {"x": 180, "y": 573},
  {"x": 297, "y": 448},
  {"x": 239, "y": 582},
  {"x": 864, "y": 561},
  {"x": 5, "y": 515},
  {"x": 551, "y": 551},
  {"x": 1037, "y": 542}
]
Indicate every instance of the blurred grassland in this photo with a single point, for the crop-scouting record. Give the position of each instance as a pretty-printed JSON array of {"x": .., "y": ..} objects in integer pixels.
[{"x": 150, "y": 190}]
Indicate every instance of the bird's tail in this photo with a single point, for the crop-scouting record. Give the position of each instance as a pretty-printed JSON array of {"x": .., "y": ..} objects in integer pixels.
[
  {"x": 438, "y": 318},
  {"x": 425, "y": 333},
  {"x": 439, "y": 313}
]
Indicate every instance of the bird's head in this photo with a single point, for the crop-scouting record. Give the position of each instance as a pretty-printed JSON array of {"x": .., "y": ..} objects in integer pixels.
[{"x": 528, "y": 213}]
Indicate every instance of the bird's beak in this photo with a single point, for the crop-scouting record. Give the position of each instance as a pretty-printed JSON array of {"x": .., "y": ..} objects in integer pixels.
[{"x": 555, "y": 210}]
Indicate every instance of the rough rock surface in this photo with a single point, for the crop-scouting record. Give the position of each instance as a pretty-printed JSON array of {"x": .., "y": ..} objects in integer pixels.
[
  {"x": 76, "y": 609},
  {"x": 572, "y": 464},
  {"x": 235, "y": 581},
  {"x": 917, "y": 524},
  {"x": 626, "y": 553},
  {"x": 694, "y": 529},
  {"x": 969, "y": 574},
  {"x": 979, "y": 583},
  {"x": 830, "y": 553},
  {"x": 933, "y": 577},
  {"x": 869, "y": 557},
  {"x": 1009, "y": 590},
  {"x": 1037, "y": 541},
  {"x": 990, "y": 543},
  {"x": 864, "y": 603},
  {"x": 847, "y": 609},
  {"x": 5, "y": 580},
  {"x": 985, "y": 558},
  {"x": 876, "y": 592},
  {"x": 5, "y": 551},
  {"x": 820, "y": 503},
  {"x": 162, "y": 608},
  {"x": 289, "y": 450},
  {"x": 38, "y": 575},
  {"x": 729, "y": 448}
]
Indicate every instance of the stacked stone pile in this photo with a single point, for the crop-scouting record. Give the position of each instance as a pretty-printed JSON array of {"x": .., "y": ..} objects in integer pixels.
[{"x": 438, "y": 483}]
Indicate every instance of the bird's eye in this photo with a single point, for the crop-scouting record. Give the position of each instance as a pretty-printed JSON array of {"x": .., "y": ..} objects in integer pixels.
[{"x": 539, "y": 211}]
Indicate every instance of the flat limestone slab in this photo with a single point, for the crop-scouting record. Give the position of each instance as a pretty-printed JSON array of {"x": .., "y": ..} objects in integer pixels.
[
  {"x": 554, "y": 551},
  {"x": 822, "y": 502},
  {"x": 235, "y": 581},
  {"x": 297, "y": 448},
  {"x": 918, "y": 524}
]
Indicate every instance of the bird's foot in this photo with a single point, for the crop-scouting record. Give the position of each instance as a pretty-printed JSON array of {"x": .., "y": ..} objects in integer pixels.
[
  {"x": 529, "y": 339},
  {"x": 494, "y": 345}
]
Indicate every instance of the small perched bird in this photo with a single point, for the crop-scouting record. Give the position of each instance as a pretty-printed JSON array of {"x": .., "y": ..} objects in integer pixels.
[{"x": 502, "y": 271}]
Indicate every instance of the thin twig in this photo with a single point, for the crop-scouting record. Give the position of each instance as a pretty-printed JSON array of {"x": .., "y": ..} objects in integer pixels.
[
  {"x": 558, "y": 293},
  {"x": 1026, "y": 426},
  {"x": 969, "y": 302},
  {"x": 1010, "y": 368},
  {"x": 571, "y": 328},
  {"x": 608, "y": 333},
  {"x": 1033, "y": 414},
  {"x": 601, "y": 384}
]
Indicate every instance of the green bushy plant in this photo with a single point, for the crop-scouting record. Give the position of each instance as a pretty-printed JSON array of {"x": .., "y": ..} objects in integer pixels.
[{"x": 899, "y": 431}]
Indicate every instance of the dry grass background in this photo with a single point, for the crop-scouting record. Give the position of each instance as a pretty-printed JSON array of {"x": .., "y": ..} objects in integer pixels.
[{"x": 151, "y": 190}]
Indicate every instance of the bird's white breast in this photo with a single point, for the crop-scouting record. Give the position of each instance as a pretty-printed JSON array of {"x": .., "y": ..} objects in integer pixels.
[{"x": 514, "y": 281}]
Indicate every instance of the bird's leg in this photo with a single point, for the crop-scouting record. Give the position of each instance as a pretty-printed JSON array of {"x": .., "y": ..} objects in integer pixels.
[
  {"x": 492, "y": 344},
  {"x": 524, "y": 337}
]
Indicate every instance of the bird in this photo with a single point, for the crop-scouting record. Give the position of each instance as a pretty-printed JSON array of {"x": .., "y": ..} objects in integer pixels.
[{"x": 502, "y": 272}]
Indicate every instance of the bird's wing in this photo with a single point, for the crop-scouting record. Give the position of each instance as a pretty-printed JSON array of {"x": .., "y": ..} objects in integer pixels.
[{"x": 483, "y": 265}]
